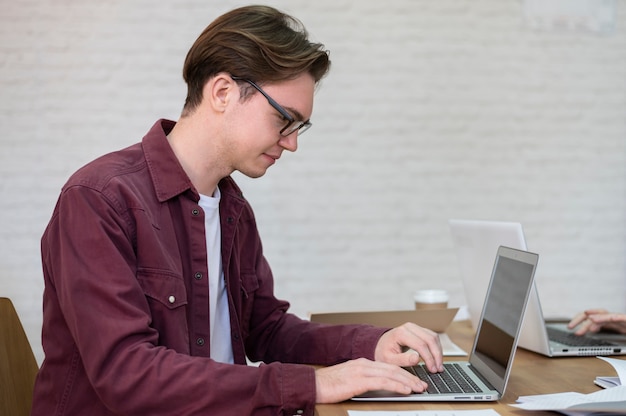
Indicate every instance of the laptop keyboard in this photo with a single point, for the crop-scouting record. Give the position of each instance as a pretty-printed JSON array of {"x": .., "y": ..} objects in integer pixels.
[
  {"x": 574, "y": 340},
  {"x": 452, "y": 380}
]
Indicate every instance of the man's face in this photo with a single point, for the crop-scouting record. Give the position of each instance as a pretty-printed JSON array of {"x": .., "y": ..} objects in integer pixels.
[{"x": 255, "y": 141}]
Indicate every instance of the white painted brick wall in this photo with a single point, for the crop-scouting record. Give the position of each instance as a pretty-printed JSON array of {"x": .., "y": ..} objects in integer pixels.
[{"x": 432, "y": 110}]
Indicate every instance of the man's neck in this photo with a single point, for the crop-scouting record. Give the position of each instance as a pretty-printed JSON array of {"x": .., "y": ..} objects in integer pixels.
[{"x": 190, "y": 140}]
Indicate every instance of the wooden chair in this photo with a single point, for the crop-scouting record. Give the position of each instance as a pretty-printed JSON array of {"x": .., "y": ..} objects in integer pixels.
[{"x": 18, "y": 366}]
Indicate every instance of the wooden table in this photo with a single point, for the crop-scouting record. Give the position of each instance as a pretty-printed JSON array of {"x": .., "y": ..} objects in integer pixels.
[{"x": 532, "y": 374}]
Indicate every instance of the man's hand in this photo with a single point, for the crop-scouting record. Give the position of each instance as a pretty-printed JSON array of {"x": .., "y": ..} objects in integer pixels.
[
  {"x": 593, "y": 320},
  {"x": 393, "y": 347},
  {"x": 343, "y": 381},
  {"x": 403, "y": 346}
]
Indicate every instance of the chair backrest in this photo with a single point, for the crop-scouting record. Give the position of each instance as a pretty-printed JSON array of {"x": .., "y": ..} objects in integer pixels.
[{"x": 18, "y": 366}]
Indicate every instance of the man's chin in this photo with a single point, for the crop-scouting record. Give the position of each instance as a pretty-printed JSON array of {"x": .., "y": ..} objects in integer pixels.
[{"x": 253, "y": 174}]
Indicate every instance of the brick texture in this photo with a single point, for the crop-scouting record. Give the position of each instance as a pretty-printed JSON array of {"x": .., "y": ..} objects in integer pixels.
[{"x": 432, "y": 110}]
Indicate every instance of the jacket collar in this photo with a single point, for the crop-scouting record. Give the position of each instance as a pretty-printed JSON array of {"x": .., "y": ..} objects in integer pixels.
[{"x": 168, "y": 177}]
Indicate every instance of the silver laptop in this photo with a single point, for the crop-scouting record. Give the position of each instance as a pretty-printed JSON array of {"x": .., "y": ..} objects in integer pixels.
[
  {"x": 484, "y": 376},
  {"x": 475, "y": 242}
]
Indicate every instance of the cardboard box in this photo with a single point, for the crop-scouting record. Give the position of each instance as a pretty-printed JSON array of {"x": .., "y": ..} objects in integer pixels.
[{"x": 434, "y": 319}]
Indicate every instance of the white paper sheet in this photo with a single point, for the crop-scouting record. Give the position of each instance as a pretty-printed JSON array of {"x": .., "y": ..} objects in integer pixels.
[
  {"x": 618, "y": 365},
  {"x": 563, "y": 402},
  {"x": 449, "y": 348},
  {"x": 612, "y": 381},
  {"x": 578, "y": 403},
  {"x": 479, "y": 412}
]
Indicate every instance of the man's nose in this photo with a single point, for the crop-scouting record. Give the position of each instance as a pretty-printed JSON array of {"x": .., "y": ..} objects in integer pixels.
[{"x": 289, "y": 142}]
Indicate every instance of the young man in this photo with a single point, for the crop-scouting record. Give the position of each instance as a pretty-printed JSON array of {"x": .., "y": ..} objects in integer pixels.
[{"x": 156, "y": 285}]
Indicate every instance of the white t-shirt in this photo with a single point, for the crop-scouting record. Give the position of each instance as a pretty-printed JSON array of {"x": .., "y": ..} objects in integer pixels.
[{"x": 221, "y": 347}]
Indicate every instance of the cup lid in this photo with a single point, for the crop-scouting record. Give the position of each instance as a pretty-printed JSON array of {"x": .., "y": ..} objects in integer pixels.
[{"x": 431, "y": 295}]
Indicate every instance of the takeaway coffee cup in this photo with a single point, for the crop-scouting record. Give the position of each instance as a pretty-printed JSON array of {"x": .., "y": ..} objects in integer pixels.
[{"x": 431, "y": 299}]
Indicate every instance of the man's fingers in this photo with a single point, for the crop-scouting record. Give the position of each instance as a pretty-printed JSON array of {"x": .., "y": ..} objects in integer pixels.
[
  {"x": 427, "y": 343},
  {"x": 393, "y": 345},
  {"x": 346, "y": 380}
]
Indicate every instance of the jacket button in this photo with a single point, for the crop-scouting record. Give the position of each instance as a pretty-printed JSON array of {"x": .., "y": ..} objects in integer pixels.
[
  {"x": 200, "y": 341},
  {"x": 198, "y": 276},
  {"x": 195, "y": 212},
  {"x": 171, "y": 299},
  {"x": 230, "y": 220}
]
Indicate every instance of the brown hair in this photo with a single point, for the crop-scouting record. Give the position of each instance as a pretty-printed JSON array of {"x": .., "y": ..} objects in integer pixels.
[{"x": 258, "y": 43}]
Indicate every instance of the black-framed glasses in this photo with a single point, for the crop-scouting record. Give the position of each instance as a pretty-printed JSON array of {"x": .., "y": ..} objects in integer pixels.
[{"x": 292, "y": 125}]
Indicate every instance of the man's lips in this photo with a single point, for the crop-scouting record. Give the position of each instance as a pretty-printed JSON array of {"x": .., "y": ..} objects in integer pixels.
[{"x": 273, "y": 157}]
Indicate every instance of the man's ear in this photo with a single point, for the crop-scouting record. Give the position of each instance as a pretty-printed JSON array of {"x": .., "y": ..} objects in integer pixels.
[{"x": 220, "y": 91}]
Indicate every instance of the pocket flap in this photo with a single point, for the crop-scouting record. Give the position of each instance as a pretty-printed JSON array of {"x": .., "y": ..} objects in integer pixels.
[{"x": 164, "y": 287}]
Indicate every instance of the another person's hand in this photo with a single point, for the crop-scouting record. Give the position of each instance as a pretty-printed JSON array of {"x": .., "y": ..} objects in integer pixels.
[{"x": 593, "y": 320}]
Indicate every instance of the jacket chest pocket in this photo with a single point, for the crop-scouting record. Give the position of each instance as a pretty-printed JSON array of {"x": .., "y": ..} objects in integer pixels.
[{"x": 167, "y": 298}]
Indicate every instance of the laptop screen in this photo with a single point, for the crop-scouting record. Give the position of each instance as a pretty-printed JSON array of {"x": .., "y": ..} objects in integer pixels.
[{"x": 503, "y": 310}]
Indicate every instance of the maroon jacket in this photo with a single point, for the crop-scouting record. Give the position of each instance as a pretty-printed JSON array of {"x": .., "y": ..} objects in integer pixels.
[{"x": 126, "y": 301}]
